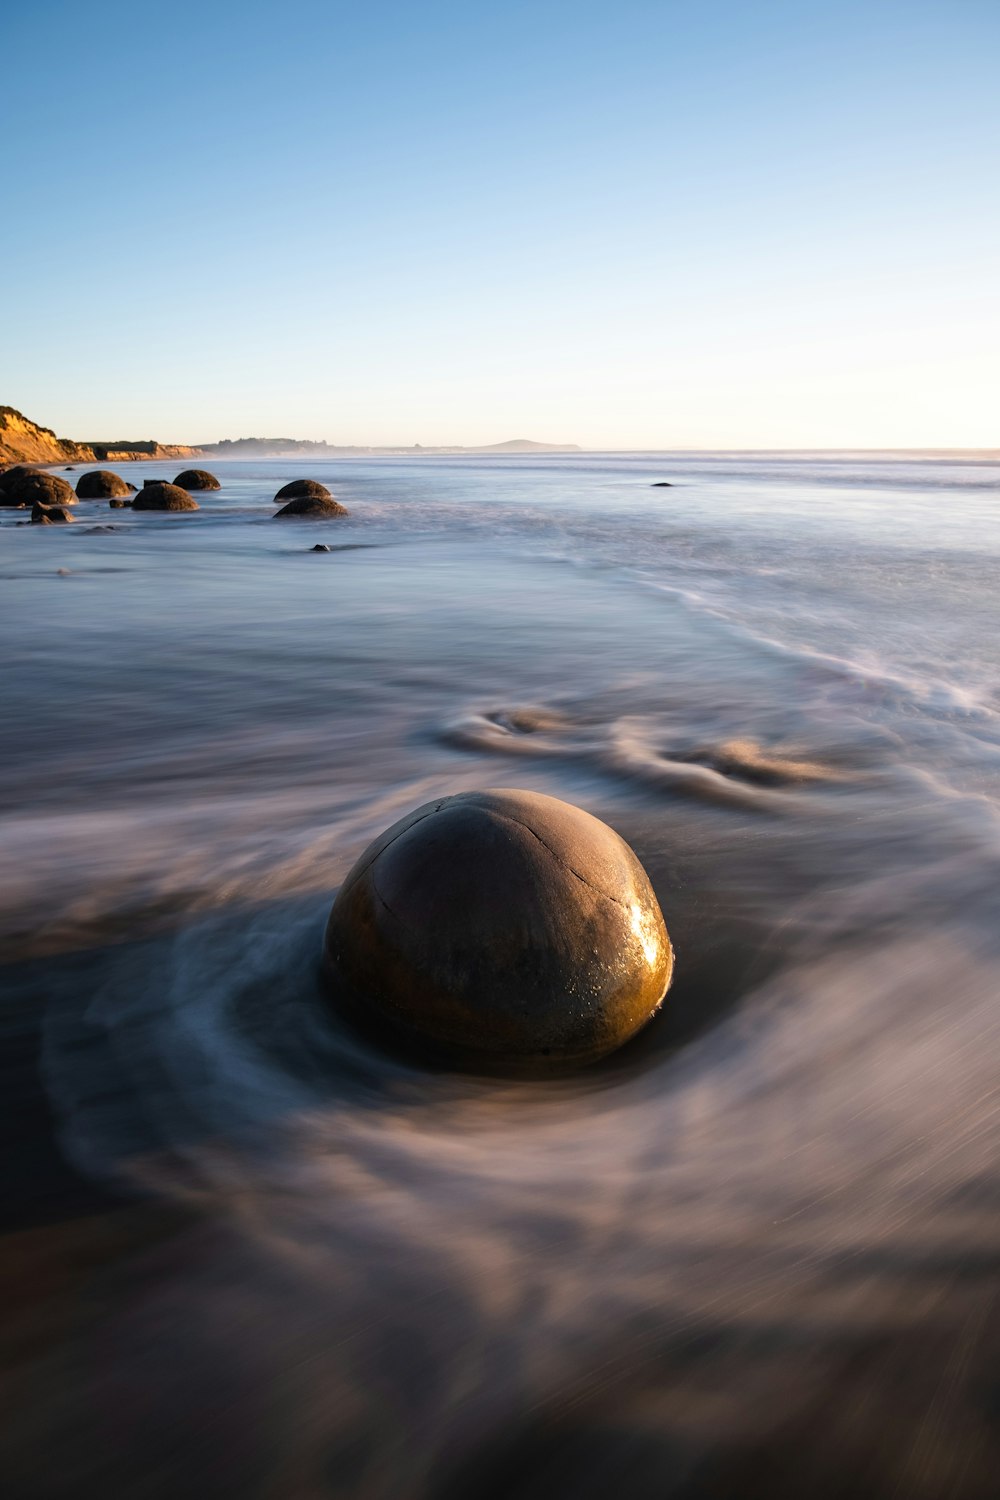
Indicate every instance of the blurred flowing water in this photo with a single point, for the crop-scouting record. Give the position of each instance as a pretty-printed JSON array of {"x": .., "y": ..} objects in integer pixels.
[{"x": 755, "y": 1254}]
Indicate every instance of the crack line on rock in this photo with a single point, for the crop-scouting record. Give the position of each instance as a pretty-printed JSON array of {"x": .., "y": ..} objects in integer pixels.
[{"x": 564, "y": 863}]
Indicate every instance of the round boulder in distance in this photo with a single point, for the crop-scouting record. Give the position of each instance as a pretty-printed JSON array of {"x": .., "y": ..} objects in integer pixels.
[
  {"x": 301, "y": 489},
  {"x": 502, "y": 930},
  {"x": 101, "y": 484},
  {"x": 197, "y": 479},
  {"x": 163, "y": 497},
  {"x": 23, "y": 486},
  {"x": 313, "y": 507}
]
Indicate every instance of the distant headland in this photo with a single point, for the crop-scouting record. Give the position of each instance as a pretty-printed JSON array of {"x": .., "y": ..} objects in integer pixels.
[
  {"x": 25, "y": 441},
  {"x": 253, "y": 447}
]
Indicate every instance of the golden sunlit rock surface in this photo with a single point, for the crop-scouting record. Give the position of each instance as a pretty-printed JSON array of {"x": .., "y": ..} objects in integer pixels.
[{"x": 501, "y": 930}]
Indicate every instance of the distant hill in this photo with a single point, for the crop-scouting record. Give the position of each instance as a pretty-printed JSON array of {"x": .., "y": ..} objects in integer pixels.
[
  {"x": 525, "y": 445},
  {"x": 252, "y": 447}
]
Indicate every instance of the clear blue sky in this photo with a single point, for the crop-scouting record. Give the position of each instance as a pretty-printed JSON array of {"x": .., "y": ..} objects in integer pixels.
[{"x": 632, "y": 223}]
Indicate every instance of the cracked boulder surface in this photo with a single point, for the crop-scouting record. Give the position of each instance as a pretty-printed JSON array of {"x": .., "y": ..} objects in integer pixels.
[{"x": 500, "y": 931}]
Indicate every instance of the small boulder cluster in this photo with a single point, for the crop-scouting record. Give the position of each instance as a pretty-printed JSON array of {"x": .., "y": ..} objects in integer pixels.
[{"x": 47, "y": 495}]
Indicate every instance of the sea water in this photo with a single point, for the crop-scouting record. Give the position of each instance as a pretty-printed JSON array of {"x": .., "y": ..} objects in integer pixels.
[{"x": 757, "y": 1252}]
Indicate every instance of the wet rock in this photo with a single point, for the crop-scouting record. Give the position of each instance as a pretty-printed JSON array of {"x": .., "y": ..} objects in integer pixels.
[
  {"x": 312, "y": 507},
  {"x": 25, "y": 486},
  {"x": 320, "y": 547},
  {"x": 101, "y": 484},
  {"x": 159, "y": 496},
  {"x": 197, "y": 479},
  {"x": 300, "y": 489},
  {"x": 49, "y": 515},
  {"x": 662, "y": 484},
  {"x": 499, "y": 930},
  {"x": 118, "y": 504}
]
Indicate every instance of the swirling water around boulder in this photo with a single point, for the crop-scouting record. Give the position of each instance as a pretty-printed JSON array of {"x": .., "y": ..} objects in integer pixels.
[{"x": 741, "y": 1252}]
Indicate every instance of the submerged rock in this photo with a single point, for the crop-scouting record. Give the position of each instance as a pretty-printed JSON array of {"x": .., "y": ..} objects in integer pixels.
[
  {"x": 197, "y": 479},
  {"x": 25, "y": 486},
  {"x": 119, "y": 504},
  {"x": 662, "y": 484},
  {"x": 501, "y": 930},
  {"x": 159, "y": 496},
  {"x": 49, "y": 515},
  {"x": 319, "y": 547},
  {"x": 101, "y": 484},
  {"x": 313, "y": 507},
  {"x": 300, "y": 489}
]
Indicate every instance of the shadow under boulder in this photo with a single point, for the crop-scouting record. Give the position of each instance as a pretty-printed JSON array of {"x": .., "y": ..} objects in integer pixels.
[
  {"x": 163, "y": 497},
  {"x": 101, "y": 484},
  {"x": 312, "y": 507},
  {"x": 197, "y": 479}
]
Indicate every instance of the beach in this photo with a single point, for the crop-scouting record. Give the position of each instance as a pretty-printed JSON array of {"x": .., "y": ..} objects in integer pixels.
[{"x": 250, "y": 1249}]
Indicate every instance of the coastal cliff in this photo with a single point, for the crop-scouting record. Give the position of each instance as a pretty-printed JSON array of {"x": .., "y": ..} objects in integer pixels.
[{"x": 25, "y": 442}]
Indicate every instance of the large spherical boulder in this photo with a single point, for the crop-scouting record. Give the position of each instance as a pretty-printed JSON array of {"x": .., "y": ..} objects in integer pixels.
[
  {"x": 163, "y": 497},
  {"x": 312, "y": 507},
  {"x": 197, "y": 479},
  {"x": 24, "y": 486},
  {"x": 499, "y": 930},
  {"x": 9, "y": 482},
  {"x": 101, "y": 484},
  {"x": 49, "y": 515},
  {"x": 301, "y": 489}
]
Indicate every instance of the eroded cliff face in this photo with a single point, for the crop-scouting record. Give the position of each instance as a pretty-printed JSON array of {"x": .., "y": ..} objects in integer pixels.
[{"x": 23, "y": 441}]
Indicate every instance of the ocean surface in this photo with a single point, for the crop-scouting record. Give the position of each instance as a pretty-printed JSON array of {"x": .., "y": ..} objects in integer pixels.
[{"x": 755, "y": 1254}]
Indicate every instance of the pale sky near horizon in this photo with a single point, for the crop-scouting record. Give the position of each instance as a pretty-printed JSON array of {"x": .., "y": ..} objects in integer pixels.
[{"x": 737, "y": 223}]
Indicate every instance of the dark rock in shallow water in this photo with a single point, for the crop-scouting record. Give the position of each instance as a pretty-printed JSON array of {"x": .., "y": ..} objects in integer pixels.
[
  {"x": 118, "y": 504},
  {"x": 101, "y": 484},
  {"x": 501, "y": 930},
  {"x": 163, "y": 497},
  {"x": 300, "y": 489},
  {"x": 49, "y": 515},
  {"x": 312, "y": 507},
  {"x": 24, "y": 486},
  {"x": 197, "y": 479},
  {"x": 662, "y": 484},
  {"x": 319, "y": 547}
]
